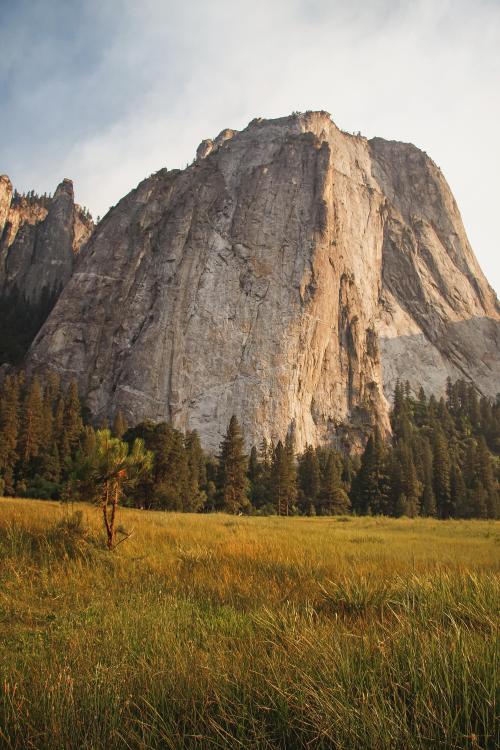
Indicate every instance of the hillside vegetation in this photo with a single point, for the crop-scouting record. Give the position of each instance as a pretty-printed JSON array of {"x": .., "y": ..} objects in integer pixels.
[{"x": 217, "y": 631}]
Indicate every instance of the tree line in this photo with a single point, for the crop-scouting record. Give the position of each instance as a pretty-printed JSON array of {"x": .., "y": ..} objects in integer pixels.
[
  {"x": 31, "y": 197},
  {"x": 443, "y": 460}
]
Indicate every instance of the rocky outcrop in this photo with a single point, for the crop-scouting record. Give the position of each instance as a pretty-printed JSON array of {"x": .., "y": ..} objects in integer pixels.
[
  {"x": 289, "y": 276},
  {"x": 39, "y": 240},
  {"x": 5, "y": 200},
  {"x": 438, "y": 315}
]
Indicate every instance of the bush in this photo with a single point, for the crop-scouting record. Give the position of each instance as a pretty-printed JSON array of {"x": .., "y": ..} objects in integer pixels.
[
  {"x": 267, "y": 510},
  {"x": 43, "y": 489}
]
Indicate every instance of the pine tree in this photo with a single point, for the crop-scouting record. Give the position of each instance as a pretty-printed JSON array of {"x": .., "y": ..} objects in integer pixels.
[
  {"x": 259, "y": 475},
  {"x": 334, "y": 498},
  {"x": 178, "y": 470},
  {"x": 52, "y": 466},
  {"x": 421, "y": 408},
  {"x": 48, "y": 465},
  {"x": 9, "y": 431},
  {"x": 446, "y": 422},
  {"x": 400, "y": 417},
  {"x": 442, "y": 470},
  {"x": 470, "y": 463},
  {"x": 72, "y": 420},
  {"x": 458, "y": 492},
  {"x": 291, "y": 473},
  {"x": 283, "y": 480},
  {"x": 61, "y": 437},
  {"x": 473, "y": 407},
  {"x": 31, "y": 434},
  {"x": 197, "y": 475},
  {"x": 432, "y": 410},
  {"x": 173, "y": 492},
  {"x": 449, "y": 393},
  {"x": 407, "y": 391},
  {"x": 254, "y": 473},
  {"x": 278, "y": 479},
  {"x": 485, "y": 475},
  {"x": 406, "y": 489},
  {"x": 490, "y": 423},
  {"x": 309, "y": 480},
  {"x": 52, "y": 388},
  {"x": 478, "y": 500},
  {"x": 372, "y": 487},
  {"x": 398, "y": 406},
  {"x": 253, "y": 466},
  {"x": 105, "y": 469},
  {"x": 266, "y": 458},
  {"x": 429, "y": 507},
  {"x": 232, "y": 481},
  {"x": 47, "y": 422}
]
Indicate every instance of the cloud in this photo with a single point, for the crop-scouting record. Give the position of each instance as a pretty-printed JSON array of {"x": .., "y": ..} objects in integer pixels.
[{"x": 136, "y": 86}]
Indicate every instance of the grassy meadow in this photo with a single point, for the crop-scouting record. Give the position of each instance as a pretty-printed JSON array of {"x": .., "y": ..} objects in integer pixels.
[{"x": 213, "y": 631}]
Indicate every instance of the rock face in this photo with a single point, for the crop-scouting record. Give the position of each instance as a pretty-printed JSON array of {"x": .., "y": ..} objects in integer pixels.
[
  {"x": 289, "y": 276},
  {"x": 39, "y": 240}
]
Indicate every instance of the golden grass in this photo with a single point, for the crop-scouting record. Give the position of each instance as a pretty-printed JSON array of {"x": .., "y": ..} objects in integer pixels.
[{"x": 211, "y": 631}]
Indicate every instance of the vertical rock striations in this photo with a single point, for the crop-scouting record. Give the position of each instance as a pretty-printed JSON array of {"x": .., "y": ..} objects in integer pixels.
[
  {"x": 438, "y": 316},
  {"x": 39, "y": 240},
  {"x": 289, "y": 275}
]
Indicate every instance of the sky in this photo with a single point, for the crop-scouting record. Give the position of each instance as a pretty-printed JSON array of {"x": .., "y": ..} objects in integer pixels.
[{"x": 106, "y": 92}]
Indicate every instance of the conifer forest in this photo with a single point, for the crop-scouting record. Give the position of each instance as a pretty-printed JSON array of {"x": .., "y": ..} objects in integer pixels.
[{"x": 443, "y": 459}]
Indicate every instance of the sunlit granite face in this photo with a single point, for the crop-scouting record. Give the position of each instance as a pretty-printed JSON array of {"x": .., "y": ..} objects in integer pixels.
[{"x": 289, "y": 276}]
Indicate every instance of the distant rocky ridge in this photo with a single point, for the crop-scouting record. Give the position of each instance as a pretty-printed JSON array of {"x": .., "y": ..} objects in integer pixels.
[
  {"x": 290, "y": 275},
  {"x": 40, "y": 238}
]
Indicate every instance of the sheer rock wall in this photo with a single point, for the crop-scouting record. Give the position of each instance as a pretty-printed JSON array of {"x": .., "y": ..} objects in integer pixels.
[{"x": 289, "y": 276}]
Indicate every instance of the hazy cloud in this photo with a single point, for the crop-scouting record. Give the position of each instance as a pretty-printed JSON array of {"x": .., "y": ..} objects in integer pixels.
[{"x": 108, "y": 92}]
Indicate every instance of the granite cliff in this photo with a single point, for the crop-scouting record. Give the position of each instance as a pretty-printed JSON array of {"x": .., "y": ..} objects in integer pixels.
[
  {"x": 40, "y": 237},
  {"x": 290, "y": 275}
]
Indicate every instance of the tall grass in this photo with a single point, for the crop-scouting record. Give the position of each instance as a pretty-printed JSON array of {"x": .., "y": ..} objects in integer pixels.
[{"x": 222, "y": 632}]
